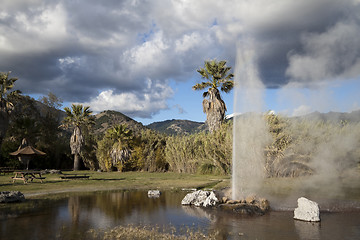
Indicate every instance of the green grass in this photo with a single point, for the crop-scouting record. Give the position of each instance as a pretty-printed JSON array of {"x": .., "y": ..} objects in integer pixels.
[{"x": 112, "y": 181}]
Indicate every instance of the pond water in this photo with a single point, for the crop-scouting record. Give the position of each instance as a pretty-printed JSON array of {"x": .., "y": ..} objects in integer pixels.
[{"x": 72, "y": 215}]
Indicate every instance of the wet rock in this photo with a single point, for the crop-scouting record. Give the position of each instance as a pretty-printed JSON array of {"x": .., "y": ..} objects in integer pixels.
[
  {"x": 263, "y": 204},
  {"x": 11, "y": 196},
  {"x": 243, "y": 208},
  {"x": 249, "y": 206},
  {"x": 307, "y": 210},
  {"x": 250, "y": 199},
  {"x": 233, "y": 201},
  {"x": 200, "y": 198},
  {"x": 154, "y": 193}
]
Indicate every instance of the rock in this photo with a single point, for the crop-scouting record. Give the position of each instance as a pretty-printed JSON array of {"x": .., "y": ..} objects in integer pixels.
[
  {"x": 154, "y": 193},
  {"x": 243, "y": 208},
  {"x": 264, "y": 204},
  {"x": 200, "y": 198},
  {"x": 250, "y": 199},
  {"x": 307, "y": 210},
  {"x": 211, "y": 200},
  {"x": 232, "y": 201},
  {"x": 13, "y": 196}
]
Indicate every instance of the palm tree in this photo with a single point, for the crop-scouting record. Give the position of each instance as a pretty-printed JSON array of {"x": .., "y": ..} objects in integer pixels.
[
  {"x": 6, "y": 106},
  {"x": 77, "y": 117},
  {"x": 216, "y": 75},
  {"x": 121, "y": 149}
]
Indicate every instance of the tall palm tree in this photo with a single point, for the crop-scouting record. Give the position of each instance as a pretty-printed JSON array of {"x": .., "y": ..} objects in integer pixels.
[
  {"x": 6, "y": 106},
  {"x": 216, "y": 74},
  {"x": 77, "y": 117},
  {"x": 121, "y": 149}
]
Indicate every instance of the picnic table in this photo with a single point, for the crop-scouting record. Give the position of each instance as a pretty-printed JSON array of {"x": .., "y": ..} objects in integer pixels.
[{"x": 27, "y": 175}]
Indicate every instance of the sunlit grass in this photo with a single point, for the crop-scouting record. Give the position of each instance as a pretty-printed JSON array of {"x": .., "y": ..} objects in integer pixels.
[{"x": 111, "y": 181}]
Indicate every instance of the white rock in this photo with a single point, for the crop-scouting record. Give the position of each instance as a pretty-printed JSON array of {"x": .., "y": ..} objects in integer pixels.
[
  {"x": 211, "y": 200},
  {"x": 154, "y": 193},
  {"x": 200, "y": 198},
  {"x": 307, "y": 210}
]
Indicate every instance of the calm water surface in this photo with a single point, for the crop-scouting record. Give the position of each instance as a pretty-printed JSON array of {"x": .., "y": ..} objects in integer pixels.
[{"x": 71, "y": 216}]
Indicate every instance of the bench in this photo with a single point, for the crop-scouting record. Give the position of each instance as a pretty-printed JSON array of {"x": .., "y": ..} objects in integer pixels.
[
  {"x": 74, "y": 176},
  {"x": 4, "y": 170}
]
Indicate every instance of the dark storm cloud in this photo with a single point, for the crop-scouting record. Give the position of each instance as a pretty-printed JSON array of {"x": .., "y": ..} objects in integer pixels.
[{"x": 96, "y": 51}]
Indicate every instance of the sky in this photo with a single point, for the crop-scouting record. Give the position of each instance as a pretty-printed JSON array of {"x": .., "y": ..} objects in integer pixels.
[{"x": 140, "y": 57}]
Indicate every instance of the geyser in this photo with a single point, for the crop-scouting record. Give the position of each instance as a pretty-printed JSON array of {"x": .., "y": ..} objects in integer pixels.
[{"x": 250, "y": 134}]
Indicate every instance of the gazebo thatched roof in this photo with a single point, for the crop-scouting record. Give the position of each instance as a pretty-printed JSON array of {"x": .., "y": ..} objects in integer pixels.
[{"x": 29, "y": 150}]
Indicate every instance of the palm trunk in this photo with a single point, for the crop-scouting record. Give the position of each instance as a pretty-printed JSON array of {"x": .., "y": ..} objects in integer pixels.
[
  {"x": 215, "y": 109},
  {"x": 76, "y": 162},
  {"x": 76, "y": 142}
]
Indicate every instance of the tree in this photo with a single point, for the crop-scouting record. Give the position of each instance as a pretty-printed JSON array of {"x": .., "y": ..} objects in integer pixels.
[
  {"x": 6, "y": 106},
  {"x": 121, "y": 149},
  {"x": 77, "y": 117},
  {"x": 115, "y": 149},
  {"x": 216, "y": 75}
]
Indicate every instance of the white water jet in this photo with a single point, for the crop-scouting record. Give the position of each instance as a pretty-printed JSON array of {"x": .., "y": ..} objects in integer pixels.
[{"x": 250, "y": 134}]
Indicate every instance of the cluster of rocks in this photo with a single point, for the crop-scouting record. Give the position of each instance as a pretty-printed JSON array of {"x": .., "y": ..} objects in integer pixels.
[
  {"x": 250, "y": 205},
  {"x": 11, "y": 196},
  {"x": 307, "y": 210}
]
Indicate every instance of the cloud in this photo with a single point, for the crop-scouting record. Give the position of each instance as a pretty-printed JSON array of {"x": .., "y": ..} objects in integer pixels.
[
  {"x": 144, "y": 105},
  {"x": 77, "y": 49},
  {"x": 333, "y": 54}
]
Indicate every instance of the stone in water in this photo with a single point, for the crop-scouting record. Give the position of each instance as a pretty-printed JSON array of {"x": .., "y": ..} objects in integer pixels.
[{"x": 307, "y": 210}]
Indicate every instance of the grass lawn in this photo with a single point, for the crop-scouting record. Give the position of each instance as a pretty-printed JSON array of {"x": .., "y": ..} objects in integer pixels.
[{"x": 111, "y": 181}]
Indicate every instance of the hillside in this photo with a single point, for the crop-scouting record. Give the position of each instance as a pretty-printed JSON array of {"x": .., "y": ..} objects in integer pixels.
[
  {"x": 176, "y": 127},
  {"x": 107, "y": 119},
  {"x": 333, "y": 117}
]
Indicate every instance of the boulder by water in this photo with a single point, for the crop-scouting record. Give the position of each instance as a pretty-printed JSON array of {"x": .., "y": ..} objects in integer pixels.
[
  {"x": 307, "y": 210},
  {"x": 200, "y": 198},
  {"x": 251, "y": 205},
  {"x": 11, "y": 196}
]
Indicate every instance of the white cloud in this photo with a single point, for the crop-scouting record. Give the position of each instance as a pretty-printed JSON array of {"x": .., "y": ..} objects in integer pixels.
[
  {"x": 333, "y": 54},
  {"x": 143, "y": 105},
  {"x": 75, "y": 48}
]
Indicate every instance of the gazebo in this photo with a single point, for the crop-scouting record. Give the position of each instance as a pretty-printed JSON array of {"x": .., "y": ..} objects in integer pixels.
[{"x": 25, "y": 153}]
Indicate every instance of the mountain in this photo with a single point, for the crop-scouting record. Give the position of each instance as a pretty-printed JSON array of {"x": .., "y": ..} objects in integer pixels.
[
  {"x": 333, "y": 117},
  {"x": 107, "y": 119},
  {"x": 176, "y": 127}
]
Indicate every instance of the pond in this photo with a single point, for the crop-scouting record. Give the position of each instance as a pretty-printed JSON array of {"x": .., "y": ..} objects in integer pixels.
[{"x": 70, "y": 216}]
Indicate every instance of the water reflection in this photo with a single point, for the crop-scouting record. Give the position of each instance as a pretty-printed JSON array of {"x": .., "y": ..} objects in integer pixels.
[
  {"x": 70, "y": 217},
  {"x": 307, "y": 230}
]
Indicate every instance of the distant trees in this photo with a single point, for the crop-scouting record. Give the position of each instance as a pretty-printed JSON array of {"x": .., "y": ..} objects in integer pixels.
[
  {"x": 77, "y": 117},
  {"x": 216, "y": 74}
]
